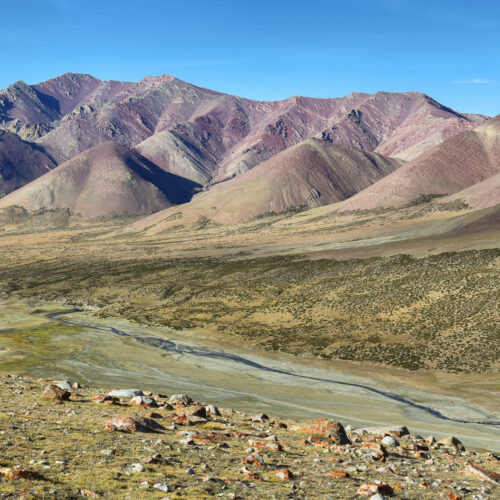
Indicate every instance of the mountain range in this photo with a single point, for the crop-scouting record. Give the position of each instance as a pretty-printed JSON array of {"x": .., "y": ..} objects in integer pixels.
[{"x": 102, "y": 148}]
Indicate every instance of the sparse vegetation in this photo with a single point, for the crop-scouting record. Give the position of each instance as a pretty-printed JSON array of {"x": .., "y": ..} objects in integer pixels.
[
  {"x": 423, "y": 198},
  {"x": 454, "y": 205},
  {"x": 66, "y": 449},
  {"x": 439, "y": 312}
]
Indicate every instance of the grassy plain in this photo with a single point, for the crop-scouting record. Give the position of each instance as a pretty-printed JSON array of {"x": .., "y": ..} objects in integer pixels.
[{"x": 283, "y": 283}]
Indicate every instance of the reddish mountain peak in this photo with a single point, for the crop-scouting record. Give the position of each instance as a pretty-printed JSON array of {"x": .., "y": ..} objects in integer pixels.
[
  {"x": 461, "y": 161},
  {"x": 107, "y": 179},
  {"x": 65, "y": 92}
]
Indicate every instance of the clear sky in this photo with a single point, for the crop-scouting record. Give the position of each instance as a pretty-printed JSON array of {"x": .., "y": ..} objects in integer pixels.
[{"x": 449, "y": 49}]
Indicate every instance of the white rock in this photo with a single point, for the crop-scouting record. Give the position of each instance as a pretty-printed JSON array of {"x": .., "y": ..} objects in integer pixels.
[
  {"x": 390, "y": 441},
  {"x": 162, "y": 487},
  {"x": 212, "y": 410},
  {"x": 137, "y": 468},
  {"x": 180, "y": 398},
  {"x": 401, "y": 430},
  {"x": 125, "y": 393},
  {"x": 65, "y": 385}
]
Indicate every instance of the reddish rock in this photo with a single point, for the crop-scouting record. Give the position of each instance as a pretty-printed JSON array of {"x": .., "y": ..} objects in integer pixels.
[
  {"x": 54, "y": 392},
  {"x": 285, "y": 474},
  {"x": 482, "y": 473},
  {"x": 327, "y": 428},
  {"x": 430, "y": 440},
  {"x": 369, "y": 489},
  {"x": 87, "y": 493},
  {"x": 378, "y": 451},
  {"x": 249, "y": 474},
  {"x": 17, "y": 473},
  {"x": 181, "y": 420},
  {"x": 448, "y": 493},
  {"x": 265, "y": 445},
  {"x": 338, "y": 474},
  {"x": 254, "y": 459},
  {"x": 133, "y": 424}
]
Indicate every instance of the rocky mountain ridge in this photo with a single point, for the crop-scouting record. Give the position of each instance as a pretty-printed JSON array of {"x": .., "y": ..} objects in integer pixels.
[{"x": 224, "y": 135}]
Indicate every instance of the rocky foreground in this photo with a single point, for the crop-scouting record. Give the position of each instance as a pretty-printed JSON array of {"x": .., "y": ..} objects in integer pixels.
[{"x": 60, "y": 440}]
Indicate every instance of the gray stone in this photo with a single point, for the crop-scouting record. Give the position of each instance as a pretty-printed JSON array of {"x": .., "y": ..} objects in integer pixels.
[
  {"x": 181, "y": 398},
  {"x": 137, "y": 468},
  {"x": 390, "y": 441},
  {"x": 162, "y": 487},
  {"x": 125, "y": 393}
]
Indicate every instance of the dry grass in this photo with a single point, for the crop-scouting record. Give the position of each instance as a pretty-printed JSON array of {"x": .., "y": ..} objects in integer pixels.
[{"x": 65, "y": 443}]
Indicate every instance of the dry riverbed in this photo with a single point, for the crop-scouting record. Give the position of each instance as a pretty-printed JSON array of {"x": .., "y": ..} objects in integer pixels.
[{"x": 161, "y": 360}]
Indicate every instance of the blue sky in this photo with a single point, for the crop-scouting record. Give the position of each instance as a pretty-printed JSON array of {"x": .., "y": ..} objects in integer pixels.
[{"x": 449, "y": 49}]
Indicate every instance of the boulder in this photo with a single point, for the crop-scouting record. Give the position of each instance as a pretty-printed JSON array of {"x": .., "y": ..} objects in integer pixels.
[
  {"x": 143, "y": 401},
  {"x": 369, "y": 489},
  {"x": 338, "y": 474},
  {"x": 131, "y": 424},
  {"x": 390, "y": 441},
  {"x": 55, "y": 392},
  {"x": 377, "y": 451},
  {"x": 482, "y": 473},
  {"x": 249, "y": 474},
  {"x": 125, "y": 393},
  {"x": 262, "y": 445},
  {"x": 285, "y": 474},
  {"x": 192, "y": 411},
  {"x": 181, "y": 398},
  {"x": 327, "y": 428},
  {"x": 15, "y": 473},
  {"x": 212, "y": 411},
  {"x": 396, "y": 431},
  {"x": 88, "y": 493},
  {"x": 450, "y": 442},
  {"x": 67, "y": 386},
  {"x": 254, "y": 458}
]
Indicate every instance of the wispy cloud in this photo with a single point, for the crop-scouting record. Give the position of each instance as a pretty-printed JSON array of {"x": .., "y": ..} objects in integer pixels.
[{"x": 473, "y": 81}]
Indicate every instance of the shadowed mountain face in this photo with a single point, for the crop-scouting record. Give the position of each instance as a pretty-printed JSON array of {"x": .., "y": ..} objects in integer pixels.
[
  {"x": 310, "y": 174},
  {"x": 106, "y": 180},
  {"x": 209, "y": 137},
  {"x": 20, "y": 162},
  {"x": 461, "y": 161}
]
